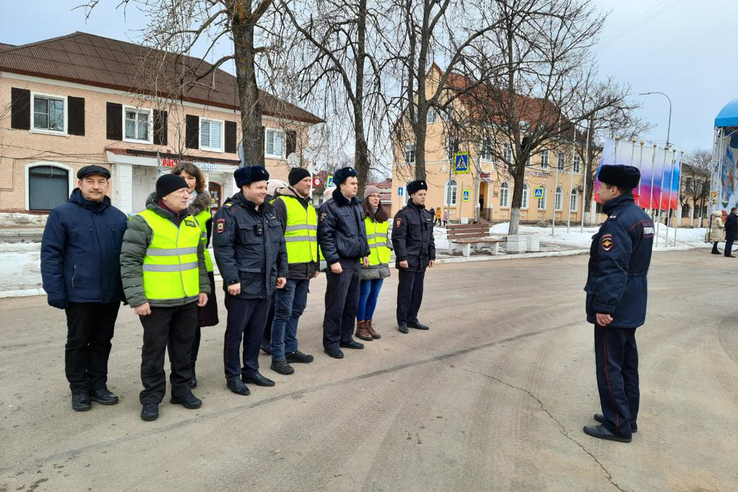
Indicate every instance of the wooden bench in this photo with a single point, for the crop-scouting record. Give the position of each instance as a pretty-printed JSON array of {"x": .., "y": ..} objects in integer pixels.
[{"x": 464, "y": 236}]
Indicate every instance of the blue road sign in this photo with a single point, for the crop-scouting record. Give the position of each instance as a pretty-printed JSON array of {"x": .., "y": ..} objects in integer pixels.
[
  {"x": 538, "y": 192},
  {"x": 400, "y": 191},
  {"x": 461, "y": 163}
]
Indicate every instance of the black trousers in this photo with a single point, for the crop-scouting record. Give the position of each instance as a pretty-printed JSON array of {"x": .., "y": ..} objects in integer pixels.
[
  {"x": 171, "y": 329},
  {"x": 341, "y": 304},
  {"x": 246, "y": 320},
  {"x": 616, "y": 358},
  {"x": 729, "y": 246},
  {"x": 266, "y": 340},
  {"x": 409, "y": 295},
  {"x": 90, "y": 329}
]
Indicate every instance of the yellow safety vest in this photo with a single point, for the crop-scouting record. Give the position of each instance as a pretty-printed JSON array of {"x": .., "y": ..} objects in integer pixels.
[
  {"x": 202, "y": 220},
  {"x": 170, "y": 269},
  {"x": 376, "y": 233},
  {"x": 301, "y": 231}
]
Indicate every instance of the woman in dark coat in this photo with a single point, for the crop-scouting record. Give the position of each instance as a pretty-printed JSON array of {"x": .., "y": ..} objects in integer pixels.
[{"x": 199, "y": 206}]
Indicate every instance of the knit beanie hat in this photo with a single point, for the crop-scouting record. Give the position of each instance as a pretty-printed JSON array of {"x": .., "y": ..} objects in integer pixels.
[{"x": 168, "y": 183}]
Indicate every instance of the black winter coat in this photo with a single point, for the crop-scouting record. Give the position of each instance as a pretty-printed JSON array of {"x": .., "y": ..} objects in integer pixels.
[
  {"x": 731, "y": 227},
  {"x": 341, "y": 229},
  {"x": 412, "y": 237},
  {"x": 249, "y": 247},
  {"x": 80, "y": 252},
  {"x": 620, "y": 256}
]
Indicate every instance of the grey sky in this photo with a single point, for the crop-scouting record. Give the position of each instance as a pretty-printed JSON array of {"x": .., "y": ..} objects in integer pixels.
[{"x": 680, "y": 47}]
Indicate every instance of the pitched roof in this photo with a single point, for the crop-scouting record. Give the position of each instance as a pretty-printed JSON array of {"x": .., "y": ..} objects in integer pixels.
[
  {"x": 103, "y": 62},
  {"x": 4, "y": 46}
]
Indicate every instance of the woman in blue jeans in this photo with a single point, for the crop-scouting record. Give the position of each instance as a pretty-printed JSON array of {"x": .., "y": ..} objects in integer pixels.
[{"x": 375, "y": 267}]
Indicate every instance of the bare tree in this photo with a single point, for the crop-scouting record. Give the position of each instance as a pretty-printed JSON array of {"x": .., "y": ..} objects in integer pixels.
[
  {"x": 332, "y": 48},
  {"x": 177, "y": 26},
  {"x": 696, "y": 182},
  {"x": 424, "y": 31}
]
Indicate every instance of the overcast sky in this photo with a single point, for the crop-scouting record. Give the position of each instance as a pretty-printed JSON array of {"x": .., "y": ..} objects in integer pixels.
[{"x": 680, "y": 47}]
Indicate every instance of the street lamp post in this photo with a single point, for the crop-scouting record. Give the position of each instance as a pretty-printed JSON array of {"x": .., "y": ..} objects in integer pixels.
[{"x": 668, "y": 128}]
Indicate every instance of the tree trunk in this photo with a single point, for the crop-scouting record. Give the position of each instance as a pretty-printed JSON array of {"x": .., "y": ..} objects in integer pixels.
[
  {"x": 248, "y": 90},
  {"x": 517, "y": 202},
  {"x": 361, "y": 152}
]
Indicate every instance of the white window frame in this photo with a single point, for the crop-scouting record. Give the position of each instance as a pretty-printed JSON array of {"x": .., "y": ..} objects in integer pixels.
[
  {"x": 266, "y": 139},
  {"x": 151, "y": 124},
  {"x": 558, "y": 197},
  {"x": 508, "y": 152},
  {"x": 63, "y": 133},
  {"x": 432, "y": 116},
  {"x": 526, "y": 193},
  {"x": 545, "y": 159},
  {"x": 561, "y": 161},
  {"x": 577, "y": 164},
  {"x": 222, "y": 136},
  {"x": 574, "y": 197},
  {"x": 409, "y": 147},
  {"x": 485, "y": 150},
  {"x": 455, "y": 194},
  {"x": 542, "y": 201},
  {"x": 28, "y": 167},
  {"x": 505, "y": 193}
]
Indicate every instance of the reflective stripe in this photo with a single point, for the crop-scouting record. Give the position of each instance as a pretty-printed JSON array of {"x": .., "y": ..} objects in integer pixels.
[
  {"x": 292, "y": 239},
  {"x": 376, "y": 236},
  {"x": 171, "y": 251},
  {"x": 300, "y": 227},
  {"x": 170, "y": 268}
]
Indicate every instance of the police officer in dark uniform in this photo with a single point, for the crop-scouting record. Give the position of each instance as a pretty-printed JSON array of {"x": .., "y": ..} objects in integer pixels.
[
  {"x": 343, "y": 243},
  {"x": 252, "y": 258},
  {"x": 616, "y": 300},
  {"x": 415, "y": 250}
]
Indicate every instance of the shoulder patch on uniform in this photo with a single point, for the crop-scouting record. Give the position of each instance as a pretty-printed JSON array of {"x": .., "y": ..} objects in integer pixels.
[
  {"x": 398, "y": 222},
  {"x": 220, "y": 226},
  {"x": 648, "y": 230},
  {"x": 228, "y": 204},
  {"x": 606, "y": 242},
  {"x": 323, "y": 215}
]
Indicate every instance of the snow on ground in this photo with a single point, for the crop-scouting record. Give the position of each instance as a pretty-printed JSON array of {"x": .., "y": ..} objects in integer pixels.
[
  {"x": 8, "y": 219},
  {"x": 20, "y": 269}
]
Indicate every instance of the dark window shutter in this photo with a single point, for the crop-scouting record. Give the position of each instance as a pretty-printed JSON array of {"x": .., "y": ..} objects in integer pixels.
[
  {"x": 291, "y": 142},
  {"x": 161, "y": 127},
  {"x": 192, "y": 132},
  {"x": 76, "y": 115},
  {"x": 21, "y": 109},
  {"x": 263, "y": 146},
  {"x": 115, "y": 121},
  {"x": 230, "y": 137}
]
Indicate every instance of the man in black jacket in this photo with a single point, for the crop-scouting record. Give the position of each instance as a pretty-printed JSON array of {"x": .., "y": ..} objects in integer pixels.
[
  {"x": 731, "y": 231},
  {"x": 343, "y": 242},
  {"x": 250, "y": 251},
  {"x": 415, "y": 250},
  {"x": 80, "y": 267}
]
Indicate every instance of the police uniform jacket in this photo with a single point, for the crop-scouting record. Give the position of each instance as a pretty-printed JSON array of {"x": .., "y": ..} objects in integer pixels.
[
  {"x": 249, "y": 247},
  {"x": 412, "y": 237},
  {"x": 341, "y": 229},
  {"x": 619, "y": 259}
]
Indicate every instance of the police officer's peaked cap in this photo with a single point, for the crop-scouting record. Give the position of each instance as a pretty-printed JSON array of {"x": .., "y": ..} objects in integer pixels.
[
  {"x": 344, "y": 173},
  {"x": 89, "y": 170},
  {"x": 417, "y": 185},
  {"x": 626, "y": 177},
  {"x": 250, "y": 174}
]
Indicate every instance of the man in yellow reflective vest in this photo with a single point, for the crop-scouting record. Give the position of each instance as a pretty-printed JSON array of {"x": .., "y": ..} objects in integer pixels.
[
  {"x": 300, "y": 225},
  {"x": 164, "y": 280}
]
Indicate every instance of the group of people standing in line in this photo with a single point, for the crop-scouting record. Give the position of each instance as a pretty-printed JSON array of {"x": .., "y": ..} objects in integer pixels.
[
  {"x": 723, "y": 227},
  {"x": 267, "y": 249}
]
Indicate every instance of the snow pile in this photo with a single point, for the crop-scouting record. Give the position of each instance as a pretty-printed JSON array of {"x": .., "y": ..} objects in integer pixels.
[
  {"x": 8, "y": 219},
  {"x": 20, "y": 265}
]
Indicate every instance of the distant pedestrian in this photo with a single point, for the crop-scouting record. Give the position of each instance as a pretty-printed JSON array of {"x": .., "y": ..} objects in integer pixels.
[
  {"x": 375, "y": 267},
  {"x": 616, "y": 289},
  {"x": 445, "y": 218},
  {"x": 437, "y": 217},
  {"x": 165, "y": 280},
  {"x": 415, "y": 250},
  {"x": 731, "y": 231},
  {"x": 198, "y": 205},
  {"x": 80, "y": 268},
  {"x": 716, "y": 232}
]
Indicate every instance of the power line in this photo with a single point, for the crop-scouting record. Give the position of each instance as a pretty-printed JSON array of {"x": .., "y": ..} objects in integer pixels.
[{"x": 645, "y": 17}]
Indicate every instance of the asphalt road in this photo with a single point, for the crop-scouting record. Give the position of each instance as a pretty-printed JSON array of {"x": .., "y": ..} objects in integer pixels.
[{"x": 494, "y": 397}]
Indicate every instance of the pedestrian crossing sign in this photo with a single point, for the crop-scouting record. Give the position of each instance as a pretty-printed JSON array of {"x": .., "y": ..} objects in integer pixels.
[
  {"x": 538, "y": 192},
  {"x": 461, "y": 163},
  {"x": 465, "y": 195},
  {"x": 329, "y": 181}
]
